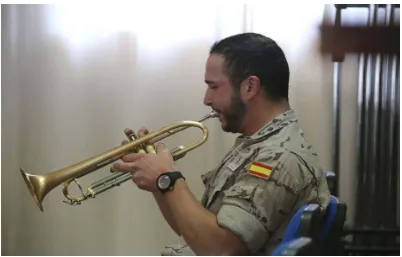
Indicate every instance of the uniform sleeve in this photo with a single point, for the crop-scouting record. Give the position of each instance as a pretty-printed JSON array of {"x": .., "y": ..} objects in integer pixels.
[{"x": 258, "y": 203}]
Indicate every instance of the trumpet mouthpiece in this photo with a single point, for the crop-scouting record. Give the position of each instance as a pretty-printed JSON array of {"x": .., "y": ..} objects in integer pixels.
[{"x": 213, "y": 114}]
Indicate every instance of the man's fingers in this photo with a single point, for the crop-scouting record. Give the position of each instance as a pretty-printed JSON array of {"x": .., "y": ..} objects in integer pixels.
[
  {"x": 122, "y": 143},
  {"x": 123, "y": 166},
  {"x": 131, "y": 157},
  {"x": 161, "y": 147},
  {"x": 126, "y": 158},
  {"x": 128, "y": 131},
  {"x": 142, "y": 131},
  {"x": 120, "y": 165}
]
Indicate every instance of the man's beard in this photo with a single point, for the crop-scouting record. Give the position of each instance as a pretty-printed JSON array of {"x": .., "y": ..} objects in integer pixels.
[{"x": 233, "y": 116}]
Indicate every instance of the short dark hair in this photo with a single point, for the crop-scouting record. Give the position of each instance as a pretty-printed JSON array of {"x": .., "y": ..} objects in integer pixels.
[{"x": 252, "y": 54}]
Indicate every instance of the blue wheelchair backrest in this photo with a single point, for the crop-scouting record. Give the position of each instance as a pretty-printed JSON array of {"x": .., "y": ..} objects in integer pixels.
[
  {"x": 334, "y": 220},
  {"x": 306, "y": 222}
]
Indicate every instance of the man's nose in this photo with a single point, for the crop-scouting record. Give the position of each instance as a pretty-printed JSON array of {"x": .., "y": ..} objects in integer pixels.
[{"x": 207, "y": 99}]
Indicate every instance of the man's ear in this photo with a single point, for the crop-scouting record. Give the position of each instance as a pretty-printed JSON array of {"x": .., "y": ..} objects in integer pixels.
[{"x": 250, "y": 87}]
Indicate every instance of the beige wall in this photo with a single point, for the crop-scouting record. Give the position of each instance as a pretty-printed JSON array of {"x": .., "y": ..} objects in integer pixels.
[{"x": 68, "y": 92}]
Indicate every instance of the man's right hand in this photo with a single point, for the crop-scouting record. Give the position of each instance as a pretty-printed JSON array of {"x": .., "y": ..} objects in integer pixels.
[
  {"x": 131, "y": 137},
  {"x": 157, "y": 195}
]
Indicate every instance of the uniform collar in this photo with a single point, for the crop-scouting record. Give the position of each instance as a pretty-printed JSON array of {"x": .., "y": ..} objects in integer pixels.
[{"x": 268, "y": 129}]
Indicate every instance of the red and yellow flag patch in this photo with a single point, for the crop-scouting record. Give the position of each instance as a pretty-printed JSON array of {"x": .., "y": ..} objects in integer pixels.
[{"x": 260, "y": 170}]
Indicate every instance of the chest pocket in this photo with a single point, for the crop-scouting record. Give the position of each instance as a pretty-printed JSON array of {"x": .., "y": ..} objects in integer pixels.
[{"x": 226, "y": 174}]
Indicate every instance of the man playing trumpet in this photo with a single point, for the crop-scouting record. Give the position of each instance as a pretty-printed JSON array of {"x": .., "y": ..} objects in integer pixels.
[{"x": 270, "y": 172}]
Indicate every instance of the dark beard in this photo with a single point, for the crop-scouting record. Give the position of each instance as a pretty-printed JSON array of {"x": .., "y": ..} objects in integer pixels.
[{"x": 234, "y": 115}]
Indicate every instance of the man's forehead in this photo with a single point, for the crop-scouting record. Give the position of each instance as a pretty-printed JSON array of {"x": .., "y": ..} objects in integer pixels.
[
  {"x": 214, "y": 68},
  {"x": 215, "y": 62}
]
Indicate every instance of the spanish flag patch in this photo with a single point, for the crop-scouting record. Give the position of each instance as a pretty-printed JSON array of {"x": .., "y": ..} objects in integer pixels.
[{"x": 260, "y": 170}]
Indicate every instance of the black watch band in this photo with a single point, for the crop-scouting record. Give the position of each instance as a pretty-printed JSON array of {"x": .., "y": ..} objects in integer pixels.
[{"x": 166, "y": 181}]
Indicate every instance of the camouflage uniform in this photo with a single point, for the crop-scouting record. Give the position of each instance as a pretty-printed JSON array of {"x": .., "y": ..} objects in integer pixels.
[{"x": 258, "y": 209}]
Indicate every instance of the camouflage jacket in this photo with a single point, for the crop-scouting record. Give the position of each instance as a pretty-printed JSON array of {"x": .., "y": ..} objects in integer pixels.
[{"x": 260, "y": 184}]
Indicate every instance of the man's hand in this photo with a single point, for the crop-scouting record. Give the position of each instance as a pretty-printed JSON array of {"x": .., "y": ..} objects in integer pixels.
[
  {"x": 146, "y": 167},
  {"x": 184, "y": 213}
]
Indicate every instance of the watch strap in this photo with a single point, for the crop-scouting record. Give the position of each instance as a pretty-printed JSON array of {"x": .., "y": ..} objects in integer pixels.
[{"x": 175, "y": 175}]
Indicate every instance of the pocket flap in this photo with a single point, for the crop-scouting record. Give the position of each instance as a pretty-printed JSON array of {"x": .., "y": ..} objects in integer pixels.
[{"x": 206, "y": 178}]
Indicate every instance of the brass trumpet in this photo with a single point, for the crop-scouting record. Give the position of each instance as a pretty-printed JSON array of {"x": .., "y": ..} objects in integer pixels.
[{"x": 40, "y": 185}]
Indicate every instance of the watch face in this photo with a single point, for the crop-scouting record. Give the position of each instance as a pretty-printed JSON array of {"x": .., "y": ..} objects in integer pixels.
[{"x": 164, "y": 181}]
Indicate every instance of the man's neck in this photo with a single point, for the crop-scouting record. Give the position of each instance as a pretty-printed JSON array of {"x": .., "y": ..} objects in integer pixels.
[{"x": 255, "y": 120}]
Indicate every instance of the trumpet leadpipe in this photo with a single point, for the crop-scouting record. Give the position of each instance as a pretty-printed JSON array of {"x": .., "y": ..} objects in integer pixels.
[{"x": 168, "y": 133}]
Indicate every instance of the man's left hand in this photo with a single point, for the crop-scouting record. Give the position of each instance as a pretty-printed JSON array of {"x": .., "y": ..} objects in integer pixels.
[{"x": 146, "y": 168}]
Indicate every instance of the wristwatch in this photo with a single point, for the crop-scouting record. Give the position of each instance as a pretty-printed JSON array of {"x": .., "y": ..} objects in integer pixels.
[{"x": 166, "y": 181}]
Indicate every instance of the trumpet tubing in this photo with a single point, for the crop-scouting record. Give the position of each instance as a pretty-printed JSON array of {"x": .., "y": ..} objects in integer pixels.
[{"x": 40, "y": 185}]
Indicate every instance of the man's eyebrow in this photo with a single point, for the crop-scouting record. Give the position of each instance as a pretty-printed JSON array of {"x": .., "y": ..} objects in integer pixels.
[{"x": 209, "y": 82}]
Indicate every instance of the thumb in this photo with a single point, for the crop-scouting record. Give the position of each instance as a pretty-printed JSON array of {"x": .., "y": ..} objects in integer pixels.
[{"x": 161, "y": 148}]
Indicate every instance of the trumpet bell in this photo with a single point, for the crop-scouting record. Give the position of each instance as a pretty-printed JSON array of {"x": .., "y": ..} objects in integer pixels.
[{"x": 35, "y": 184}]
